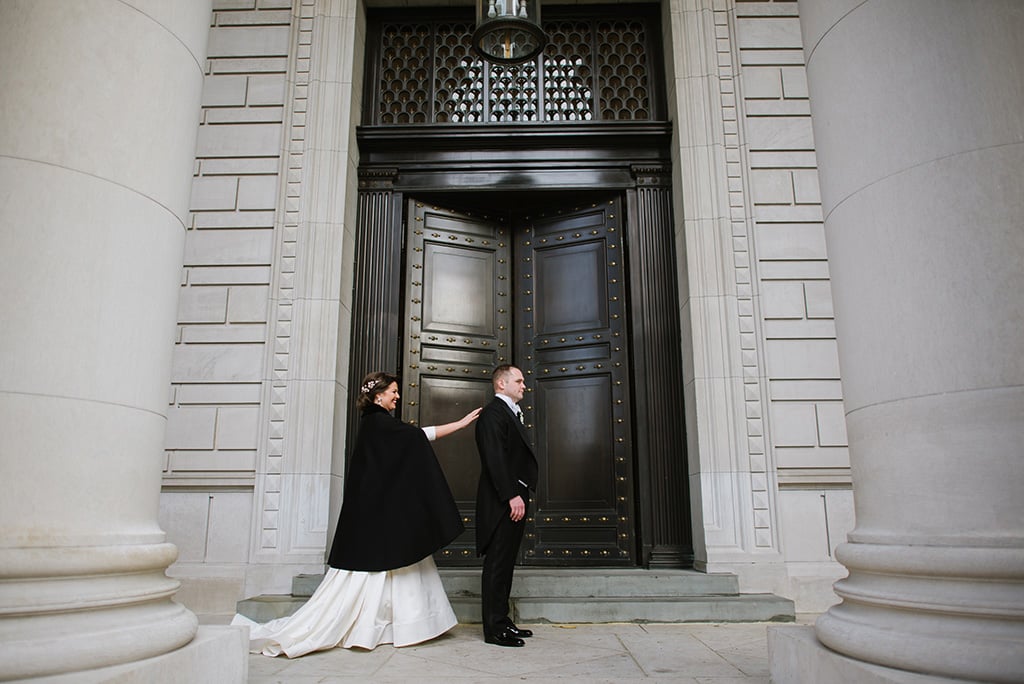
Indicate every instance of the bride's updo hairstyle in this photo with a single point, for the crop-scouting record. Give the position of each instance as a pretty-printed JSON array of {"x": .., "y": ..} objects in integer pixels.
[{"x": 372, "y": 385}]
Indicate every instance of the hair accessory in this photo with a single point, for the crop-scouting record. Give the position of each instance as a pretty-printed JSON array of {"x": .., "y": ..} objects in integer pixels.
[{"x": 365, "y": 389}]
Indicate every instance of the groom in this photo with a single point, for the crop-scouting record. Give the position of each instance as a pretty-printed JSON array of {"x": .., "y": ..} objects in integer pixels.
[{"x": 508, "y": 472}]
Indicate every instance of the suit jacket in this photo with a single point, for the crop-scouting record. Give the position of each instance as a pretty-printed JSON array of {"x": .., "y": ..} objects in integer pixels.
[
  {"x": 398, "y": 508},
  {"x": 506, "y": 459}
]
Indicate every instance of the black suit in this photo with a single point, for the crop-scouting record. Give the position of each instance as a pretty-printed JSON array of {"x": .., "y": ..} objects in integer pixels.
[{"x": 507, "y": 464}]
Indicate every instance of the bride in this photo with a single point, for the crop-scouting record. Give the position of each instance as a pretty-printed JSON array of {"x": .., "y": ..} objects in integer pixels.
[{"x": 382, "y": 585}]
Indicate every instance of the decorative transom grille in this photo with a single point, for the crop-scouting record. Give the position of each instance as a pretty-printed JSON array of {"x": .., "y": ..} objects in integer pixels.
[{"x": 593, "y": 69}]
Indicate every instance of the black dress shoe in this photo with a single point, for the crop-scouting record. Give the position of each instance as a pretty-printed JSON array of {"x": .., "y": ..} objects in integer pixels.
[
  {"x": 504, "y": 638},
  {"x": 521, "y": 633}
]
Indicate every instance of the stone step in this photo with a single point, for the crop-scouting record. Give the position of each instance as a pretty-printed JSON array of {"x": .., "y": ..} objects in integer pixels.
[
  {"x": 537, "y": 582},
  {"x": 578, "y": 582},
  {"x": 582, "y": 596},
  {"x": 576, "y": 610}
]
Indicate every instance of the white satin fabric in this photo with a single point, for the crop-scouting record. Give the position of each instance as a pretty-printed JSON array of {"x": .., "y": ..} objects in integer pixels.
[{"x": 360, "y": 610}]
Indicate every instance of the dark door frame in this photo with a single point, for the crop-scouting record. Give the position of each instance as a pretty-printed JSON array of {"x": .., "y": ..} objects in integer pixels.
[{"x": 626, "y": 157}]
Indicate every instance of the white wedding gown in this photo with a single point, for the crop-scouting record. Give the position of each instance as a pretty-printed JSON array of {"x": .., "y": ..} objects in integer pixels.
[{"x": 360, "y": 610}]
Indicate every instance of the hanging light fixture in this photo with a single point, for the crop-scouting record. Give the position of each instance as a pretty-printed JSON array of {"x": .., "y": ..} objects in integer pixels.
[{"x": 508, "y": 31}]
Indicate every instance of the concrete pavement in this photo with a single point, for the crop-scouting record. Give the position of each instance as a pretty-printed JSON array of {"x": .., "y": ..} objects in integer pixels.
[{"x": 691, "y": 653}]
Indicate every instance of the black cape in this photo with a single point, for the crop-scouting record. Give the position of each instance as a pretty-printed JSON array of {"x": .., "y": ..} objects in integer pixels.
[{"x": 398, "y": 508}]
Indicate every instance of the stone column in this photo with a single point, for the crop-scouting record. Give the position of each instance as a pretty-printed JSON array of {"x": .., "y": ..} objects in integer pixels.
[
  {"x": 918, "y": 116},
  {"x": 98, "y": 122}
]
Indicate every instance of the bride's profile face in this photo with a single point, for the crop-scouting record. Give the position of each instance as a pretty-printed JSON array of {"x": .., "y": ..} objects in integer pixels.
[{"x": 388, "y": 399}]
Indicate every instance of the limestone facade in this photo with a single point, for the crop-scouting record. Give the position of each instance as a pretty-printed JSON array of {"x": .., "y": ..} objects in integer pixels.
[{"x": 258, "y": 392}]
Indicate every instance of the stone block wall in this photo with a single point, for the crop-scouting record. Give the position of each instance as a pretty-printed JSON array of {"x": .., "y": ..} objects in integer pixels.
[
  {"x": 806, "y": 424},
  {"x": 219, "y": 355}
]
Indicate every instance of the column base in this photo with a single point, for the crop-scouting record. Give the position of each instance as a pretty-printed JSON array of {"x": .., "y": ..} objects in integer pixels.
[
  {"x": 795, "y": 656},
  {"x": 217, "y": 655}
]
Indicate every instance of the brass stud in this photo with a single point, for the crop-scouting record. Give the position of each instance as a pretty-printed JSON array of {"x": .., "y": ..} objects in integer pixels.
[{"x": 562, "y": 339}]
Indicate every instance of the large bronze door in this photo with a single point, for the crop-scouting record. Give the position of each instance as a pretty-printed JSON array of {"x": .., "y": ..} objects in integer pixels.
[
  {"x": 457, "y": 329},
  {"x": 571, "y": 342},
  {"x": 564, "y": 299}
]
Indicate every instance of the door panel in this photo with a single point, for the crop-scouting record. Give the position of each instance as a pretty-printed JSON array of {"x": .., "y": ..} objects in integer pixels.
[
  {"x": 571, "y": 343},
  {"x": 570, "y": 285},
  {"x": 457, "y": 329},
  {"x": 449, "y": 274}
]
